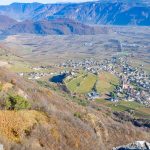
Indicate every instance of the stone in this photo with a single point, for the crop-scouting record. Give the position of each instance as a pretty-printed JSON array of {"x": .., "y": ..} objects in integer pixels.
[
  {"x": 138, "y": 145},
  {"x": 1, "y": 147}
]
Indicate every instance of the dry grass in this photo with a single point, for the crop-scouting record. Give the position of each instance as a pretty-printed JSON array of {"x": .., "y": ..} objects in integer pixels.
[
  {"x": 6, "y": 87},
  {"x": 58, "y": 128},
  {"x": 14, "y": 124}
]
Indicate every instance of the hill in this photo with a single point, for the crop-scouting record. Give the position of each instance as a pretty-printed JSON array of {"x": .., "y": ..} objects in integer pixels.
[
  {"x": 56, "y": 26},
  {"x": 50, "y": 121},
  {"x": 6, "y": 22}
]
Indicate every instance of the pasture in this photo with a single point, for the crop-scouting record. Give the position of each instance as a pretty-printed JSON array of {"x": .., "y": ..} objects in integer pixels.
[
  {"x": 83, "y": 83},
  {"x": 139, "y": 109},
  {"x": 106, "y": 82}
]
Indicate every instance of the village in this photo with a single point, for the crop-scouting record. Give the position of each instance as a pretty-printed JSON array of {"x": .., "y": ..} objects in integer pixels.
[{"x": 134, "y": 82}]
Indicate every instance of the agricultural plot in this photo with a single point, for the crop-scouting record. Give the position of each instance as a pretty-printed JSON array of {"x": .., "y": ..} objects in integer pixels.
[
  {"x": 87, "y": 84},
  {"x": 82, "y": 84},
  {"x": 106, "y": 82},
  {"x": 139, "y": 109},
  {"x": 74, "y": 83}
]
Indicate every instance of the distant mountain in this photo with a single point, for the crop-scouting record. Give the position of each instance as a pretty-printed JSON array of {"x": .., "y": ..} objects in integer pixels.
[
  {"x": 29, "y": 11},
  {"x": 107, "y": 13},
  {"x": 19, "y": 11},
  {"x": 54, "y": 27},
  {"x": 6, "y": 22},
  {"x": 118, "y": 12}
]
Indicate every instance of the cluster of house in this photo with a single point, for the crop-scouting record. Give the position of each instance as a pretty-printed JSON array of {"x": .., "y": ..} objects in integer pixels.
[
  {"x": 37, "y": 72},
  {"x": 134, "y": 82},
  {"x": 38, "y": 75},
  {"x": 35, "y": 75},
  {"x": 89, "y": 65},
  {"x": 93, "y": 95},
  {"x": 135, "y": 85},
  {"x": 41, "y": 67}
]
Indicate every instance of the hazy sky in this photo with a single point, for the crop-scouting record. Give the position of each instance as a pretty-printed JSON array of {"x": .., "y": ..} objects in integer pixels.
[{"x": 5, "y": 2}]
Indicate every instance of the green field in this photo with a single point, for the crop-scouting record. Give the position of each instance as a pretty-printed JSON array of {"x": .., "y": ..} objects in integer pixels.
[
  {"x": 86, "y": 82},
  {"x": 106, "y": 82},
  {"x": 139, "y": 109},
  {"x": 82, "y": 84},
  {"x": 74, "y": 83},
  {"x": 20, "y": 67}
]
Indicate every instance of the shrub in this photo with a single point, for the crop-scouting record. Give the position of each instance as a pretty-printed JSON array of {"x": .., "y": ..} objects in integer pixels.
[
  {"x": 16, "y": 103},
  {"x": 78, "y": 84},
  {"x": 1, "y": 86},
  {"x": 83, "y": 102},
  {"x": 77, "y": 114}
]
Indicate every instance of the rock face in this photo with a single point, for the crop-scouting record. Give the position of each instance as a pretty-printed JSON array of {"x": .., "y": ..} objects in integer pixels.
[{"x": 138, "y": 145}]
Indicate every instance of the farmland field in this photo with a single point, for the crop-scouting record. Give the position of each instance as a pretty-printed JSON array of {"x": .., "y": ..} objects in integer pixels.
[
  {"x": 87, "y": 84},
  {"x": 139, "y": 109},
  {"x": 106, "y": 82},
  {"x": 83, "y": 83},
  {"x": 74, "y": 83}
]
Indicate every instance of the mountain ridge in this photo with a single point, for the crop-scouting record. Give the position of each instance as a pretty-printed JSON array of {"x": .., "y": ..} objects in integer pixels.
[{"x": 99, "y": 12}]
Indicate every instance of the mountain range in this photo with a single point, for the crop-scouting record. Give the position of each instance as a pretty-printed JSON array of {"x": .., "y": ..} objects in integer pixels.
[{"x": 41, "y": 16}]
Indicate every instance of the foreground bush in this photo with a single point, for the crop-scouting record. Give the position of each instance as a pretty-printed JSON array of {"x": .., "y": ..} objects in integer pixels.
[{"x": 16, "y": 103}]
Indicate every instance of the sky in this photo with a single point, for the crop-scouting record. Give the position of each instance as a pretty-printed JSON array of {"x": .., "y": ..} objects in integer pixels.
[{"x": 6, "y": 2}]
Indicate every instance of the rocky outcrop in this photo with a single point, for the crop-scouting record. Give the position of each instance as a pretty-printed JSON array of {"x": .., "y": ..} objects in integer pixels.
[
  {"x": 1, "y": 147},
  {"x": 138, "y": 145}
]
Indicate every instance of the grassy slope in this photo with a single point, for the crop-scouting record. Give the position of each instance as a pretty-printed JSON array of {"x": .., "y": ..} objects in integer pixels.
[
  {"x": 82, "y": 84},
  {"x": 106, "y": 82},
  {"x": 60, "y": 127},
  {"x": 73, "y": 84},
  {"x": 87, "y": 84},
  {"x": 140, "y": 110},
  {"x": 15, "y": 123}
]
